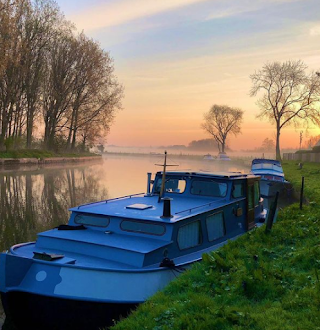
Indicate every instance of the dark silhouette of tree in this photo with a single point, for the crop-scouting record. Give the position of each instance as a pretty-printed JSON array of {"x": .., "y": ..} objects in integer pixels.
[
  {"x": 220, "y": 121},
  {"x": 268, "y": 145},
  {"x": 289, "y": 95}
]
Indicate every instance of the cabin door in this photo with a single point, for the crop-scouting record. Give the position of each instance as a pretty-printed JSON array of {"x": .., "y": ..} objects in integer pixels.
[{"x": 250, "y": 204}]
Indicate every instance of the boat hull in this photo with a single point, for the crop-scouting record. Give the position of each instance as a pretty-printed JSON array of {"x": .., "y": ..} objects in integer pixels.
[
  {"x": 46, "y": 295},
  {"x": 31, "y": 311},
  {"x": 270, "y": 188}
]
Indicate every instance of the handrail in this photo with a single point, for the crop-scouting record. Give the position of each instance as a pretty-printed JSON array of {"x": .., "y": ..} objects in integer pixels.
[
  {"x": 197, "y": 207},
  {"x": 209, "y": 204},
  {"x": 109, "y": 200}
]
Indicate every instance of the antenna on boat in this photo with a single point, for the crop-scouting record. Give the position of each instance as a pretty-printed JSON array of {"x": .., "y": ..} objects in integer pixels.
[{"x": 163, "y": 181}]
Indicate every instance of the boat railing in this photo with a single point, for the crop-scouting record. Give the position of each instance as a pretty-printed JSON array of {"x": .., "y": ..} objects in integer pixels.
[
  {"x": 111, "y": 199},
  {"x": 203, "y": 205}
]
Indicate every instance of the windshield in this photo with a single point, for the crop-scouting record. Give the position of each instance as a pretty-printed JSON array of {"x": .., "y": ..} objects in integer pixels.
[
  {"x": 208, "y": 188},
  {"x": 172, "y": 185}
]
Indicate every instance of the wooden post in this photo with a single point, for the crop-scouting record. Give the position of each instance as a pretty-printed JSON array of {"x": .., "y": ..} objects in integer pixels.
[
  {"x": 301, "y": 192},
  {"x": 272, "y": 213}
]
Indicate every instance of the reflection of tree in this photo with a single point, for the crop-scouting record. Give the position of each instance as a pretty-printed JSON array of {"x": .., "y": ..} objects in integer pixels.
[{"x": 31, "y": 202}]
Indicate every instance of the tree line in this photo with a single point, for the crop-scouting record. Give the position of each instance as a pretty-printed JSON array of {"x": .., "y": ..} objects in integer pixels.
[
  {"x": 51, "y": 79},
  {"x": 288, "y": 96}
]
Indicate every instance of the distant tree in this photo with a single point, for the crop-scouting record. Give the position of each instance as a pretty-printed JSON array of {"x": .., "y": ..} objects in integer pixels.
[
  {"x": 268, "y": 145},
  {"x": 220, "y": 121},
  {"x": 203, "y": 144},
  {"x": 100, "y": 147},
  {"x": 311, "y": 142},
  {"x": 289, "y": 95}
]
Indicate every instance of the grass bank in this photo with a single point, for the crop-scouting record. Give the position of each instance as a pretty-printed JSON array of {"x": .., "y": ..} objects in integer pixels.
[
  {"x": 37, "y": 153},
  {"x": 260, "y": 281}
]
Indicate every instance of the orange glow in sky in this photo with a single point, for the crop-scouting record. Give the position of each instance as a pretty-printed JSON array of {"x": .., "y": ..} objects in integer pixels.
[{"x": 176, "y": 58}]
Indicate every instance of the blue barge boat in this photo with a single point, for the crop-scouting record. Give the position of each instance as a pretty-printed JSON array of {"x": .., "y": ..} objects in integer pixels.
[
  {"x": 272, "y": 176},
  {"x": 114, "y": 254}
]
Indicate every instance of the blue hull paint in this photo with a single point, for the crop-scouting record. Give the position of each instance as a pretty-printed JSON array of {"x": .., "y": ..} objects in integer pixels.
[{"x": 38, "y": 312}]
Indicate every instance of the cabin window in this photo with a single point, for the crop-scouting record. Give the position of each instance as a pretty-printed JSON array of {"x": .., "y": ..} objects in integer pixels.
[
  {"x": 208, "y": 188},
  {"x": 215, "y": 226},
  {"x": 173, "y": 185},
  {"x": 238, "y": 189},
  {"x": 256, "y": 193},
  {"x": 189, "y": 235},
  {"x": 143, "y": 227},
  {"x": 92, "y": 220}
]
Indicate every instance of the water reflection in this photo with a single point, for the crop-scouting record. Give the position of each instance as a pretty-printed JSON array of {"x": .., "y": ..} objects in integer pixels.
[{"x": 34, "y": 201}]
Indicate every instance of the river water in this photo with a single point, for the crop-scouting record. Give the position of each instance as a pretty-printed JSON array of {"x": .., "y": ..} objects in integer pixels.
[{"x": 34, "y": 199}]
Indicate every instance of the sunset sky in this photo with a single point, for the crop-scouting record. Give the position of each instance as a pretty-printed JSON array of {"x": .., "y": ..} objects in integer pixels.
[{"x": 176, "y": 58}]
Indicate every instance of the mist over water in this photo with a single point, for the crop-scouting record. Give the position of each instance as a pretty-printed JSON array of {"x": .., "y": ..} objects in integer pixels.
[{"x": 186, "y": 151}]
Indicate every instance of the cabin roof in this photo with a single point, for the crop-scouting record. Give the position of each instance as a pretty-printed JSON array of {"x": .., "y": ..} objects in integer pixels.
[
  {"x": 181, "y": 207},
  {"x": 147, "y": 207},
  {"x": 266, "y": 161},
  {"x": 218, "y": 175}
]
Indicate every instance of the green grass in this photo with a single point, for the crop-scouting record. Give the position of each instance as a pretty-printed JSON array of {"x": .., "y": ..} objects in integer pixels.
[
  {"x": 260, "y": 281},
  {"x": 36, "y": 153}
]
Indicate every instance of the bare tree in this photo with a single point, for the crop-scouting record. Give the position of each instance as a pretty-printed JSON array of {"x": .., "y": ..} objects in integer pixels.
[
  {"x": 96, "y": 93},
  {"x": 46, "y": 69},
  {"x": 58, "y": 85},
  {"x": 289, "y": 95},
  {"x": 222, "y": 120},
  {"x": 39, "y": 31},
  {"x": 268, "y": 145}
]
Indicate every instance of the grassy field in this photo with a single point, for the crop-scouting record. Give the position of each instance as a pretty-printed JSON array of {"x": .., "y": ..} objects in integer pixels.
[
  {"x": 260, "y": 281},
  {"x": 36, "y": 153}
]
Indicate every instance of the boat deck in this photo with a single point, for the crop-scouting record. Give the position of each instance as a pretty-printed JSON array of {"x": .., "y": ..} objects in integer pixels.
[{"x": 181, "y": 207}]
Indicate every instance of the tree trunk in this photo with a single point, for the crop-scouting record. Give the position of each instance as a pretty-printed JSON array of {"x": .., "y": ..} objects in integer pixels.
[
  {"x": 30, "y": 116},
  {"x": 29, "y": 127},
  {"x": 278, "y": 154},
  {"x": 70, "y": 132}
]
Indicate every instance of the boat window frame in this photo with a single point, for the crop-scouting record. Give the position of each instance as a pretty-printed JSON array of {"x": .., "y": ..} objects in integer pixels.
[
  {"x": 206, "y": 180},
  {"x": 166, "y": 180},
  {"x": 142, "y": 232},
  {"x": 223, "y": 222},
  {"x": 243, "y": 189},
  {"x": 94, "y": 216},
  {"x": 200, "y": 233}
]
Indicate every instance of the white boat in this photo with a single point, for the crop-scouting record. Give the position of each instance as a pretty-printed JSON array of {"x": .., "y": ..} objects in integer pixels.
[
  {"x": 223, "y": 156},
  {"x": 208, "y": 157},
  {"x": 272, "y": 176}
]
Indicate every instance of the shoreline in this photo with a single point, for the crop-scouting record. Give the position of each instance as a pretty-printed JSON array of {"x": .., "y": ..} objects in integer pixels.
[{"x": 50, "y": 160}]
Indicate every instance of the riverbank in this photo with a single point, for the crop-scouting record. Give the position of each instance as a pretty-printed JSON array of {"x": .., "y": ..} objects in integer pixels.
[
  {"x": 35, "y": 157},
  {"x": 260, "y": 281}
]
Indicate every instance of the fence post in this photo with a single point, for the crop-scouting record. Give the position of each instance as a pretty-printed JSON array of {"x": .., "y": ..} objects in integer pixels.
[
  {"x": 301, "y": 192},
  {"x": 272, "y": 213}
]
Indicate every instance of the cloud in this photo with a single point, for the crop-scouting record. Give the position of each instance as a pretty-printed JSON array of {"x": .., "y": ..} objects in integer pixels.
[
  {"x": 315, "y": 31},
  {"x": 120, "y": 12},
  {"x": 236, "y": 8}
]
